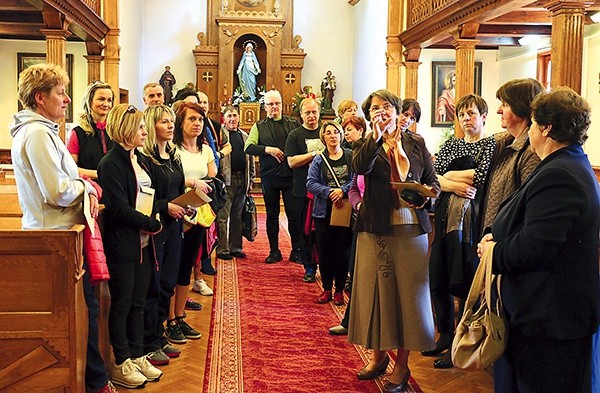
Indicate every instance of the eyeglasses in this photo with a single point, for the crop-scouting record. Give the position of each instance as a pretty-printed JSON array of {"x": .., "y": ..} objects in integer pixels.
[
  {"x": 386, "y": 107},
  {"x": 272, "y": 103},
  {"x": 131, "y": 109}
]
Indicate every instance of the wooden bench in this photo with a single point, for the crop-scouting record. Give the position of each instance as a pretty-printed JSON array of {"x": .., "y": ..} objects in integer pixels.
[
  {"x": 43, "y": 315},
  {"x": 10, "y": 219}
]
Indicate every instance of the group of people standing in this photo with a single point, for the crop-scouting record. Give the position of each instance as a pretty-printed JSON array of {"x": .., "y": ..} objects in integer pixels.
[
  {"x": 529, "y": 192},
  {"x": 116, "y": 156}
]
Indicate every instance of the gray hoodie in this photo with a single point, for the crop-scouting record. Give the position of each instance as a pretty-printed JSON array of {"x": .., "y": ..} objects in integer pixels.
[{"x": 50, "y": 192}]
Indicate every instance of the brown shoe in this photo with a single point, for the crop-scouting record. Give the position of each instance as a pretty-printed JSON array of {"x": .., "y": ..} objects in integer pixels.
[
  {"x": 391, "y": 387},
  {"x": 364, "y": 373}
]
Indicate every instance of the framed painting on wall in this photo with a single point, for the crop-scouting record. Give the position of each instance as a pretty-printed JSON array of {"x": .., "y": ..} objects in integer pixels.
[
  {"x": 26, "y": 60},
  {"x": 443, "y": 87}
]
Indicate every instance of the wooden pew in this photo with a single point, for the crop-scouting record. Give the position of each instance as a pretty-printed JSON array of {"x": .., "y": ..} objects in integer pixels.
[
  {"x": 10, "y": 211},
  {"x": 10, "y": 218},
  {"x": 43, "y": 315}
]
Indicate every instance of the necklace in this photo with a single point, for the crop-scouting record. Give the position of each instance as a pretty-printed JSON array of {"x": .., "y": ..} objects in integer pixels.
[{"x": 169, "y": 165}]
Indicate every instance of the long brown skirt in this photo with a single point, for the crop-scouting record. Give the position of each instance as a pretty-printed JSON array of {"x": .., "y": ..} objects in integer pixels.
[{"x": 391, "y": 304}]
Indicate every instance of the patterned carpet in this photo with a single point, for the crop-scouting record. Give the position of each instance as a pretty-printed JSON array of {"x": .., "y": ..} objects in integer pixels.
[{"x": 269, "y": 334}]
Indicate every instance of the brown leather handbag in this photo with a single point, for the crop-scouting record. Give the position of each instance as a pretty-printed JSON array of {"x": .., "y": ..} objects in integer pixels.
[
  {"x": 340, "y": 216},
  {"x": 481, "y": 335}
]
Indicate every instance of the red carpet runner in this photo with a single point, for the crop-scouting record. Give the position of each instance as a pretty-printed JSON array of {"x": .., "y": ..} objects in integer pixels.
[{"x": 268, "y": 333}]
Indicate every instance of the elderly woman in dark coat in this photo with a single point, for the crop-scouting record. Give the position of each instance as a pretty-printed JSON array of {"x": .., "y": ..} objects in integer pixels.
[
  {"x": 390, "y": 306},
  {"x": 545, "y": 241}
]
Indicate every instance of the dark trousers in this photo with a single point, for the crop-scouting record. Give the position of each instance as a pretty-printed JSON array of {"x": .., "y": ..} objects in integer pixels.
[
  {"x": 305, "y": 243},
  {"x": 351, "y": 263},
  {"x": 230, "y": 216},
  {"x": 95, "y": 370},
  {"x": 333, "y": 246},
  {"x": 128, "y": 286},
  {"x": 162, "y": 285},
  {"x": 192, "y": 240},
  {"x": 443, "y": 307},
  {"x": 273, "y": 188},
  {"x": 541, "y": 364}
]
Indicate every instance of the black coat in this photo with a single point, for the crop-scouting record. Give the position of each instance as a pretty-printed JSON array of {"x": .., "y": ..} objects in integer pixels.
[
  {"x": 370, "y": 159},
  {"x": 547, "y": 249},
  {"x": 122, "y": 223}
]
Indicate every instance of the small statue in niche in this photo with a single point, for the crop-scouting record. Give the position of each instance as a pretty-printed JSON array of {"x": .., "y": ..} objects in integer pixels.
[
  {"x": 167, "y": 81},
  {"x": 328, "y": 87},
  {"x": 247, "y": 71}
]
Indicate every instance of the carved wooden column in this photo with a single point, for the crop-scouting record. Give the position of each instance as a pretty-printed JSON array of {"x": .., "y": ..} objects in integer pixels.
[
  {"x": 411, "y": 64},
  {"x": 393, "y": 64},
  {"x": 567, "y": 42},
  {"x": 394, "y": 47},
  {"x": 56, "y": 47},
  {"x": 94, "y": 59},
  {"x": 464, "y": 43},
  {"x": 111, "y": 54}
]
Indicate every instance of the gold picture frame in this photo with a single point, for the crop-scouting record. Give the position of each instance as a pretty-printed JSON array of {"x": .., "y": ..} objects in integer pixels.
[
  {"x": 441, "y": 98},
  {"x": 26, "y": 60}
]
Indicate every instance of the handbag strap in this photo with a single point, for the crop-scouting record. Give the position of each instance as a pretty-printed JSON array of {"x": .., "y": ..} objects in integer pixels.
[
  {"x": 483, "y": 282},
  {"x": 330, "y": 170}
]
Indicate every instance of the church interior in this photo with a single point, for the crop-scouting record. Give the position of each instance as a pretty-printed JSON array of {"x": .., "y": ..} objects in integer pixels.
[{"x": 404, "y": 46}]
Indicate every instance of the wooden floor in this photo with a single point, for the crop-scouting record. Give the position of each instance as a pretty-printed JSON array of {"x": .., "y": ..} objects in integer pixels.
[{"x": 186, "y": 373}]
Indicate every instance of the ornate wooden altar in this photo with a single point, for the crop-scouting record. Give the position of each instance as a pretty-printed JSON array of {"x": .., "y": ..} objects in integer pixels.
[{"x": 230, "y": 24}]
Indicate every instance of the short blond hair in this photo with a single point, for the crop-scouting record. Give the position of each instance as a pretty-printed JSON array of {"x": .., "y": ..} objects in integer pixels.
[
  {"x": 345, "y": 105},
  {"x": 309, "y": 100},
  {"x": 39, "y": 78},
  {"x": 123, "y": 122}
]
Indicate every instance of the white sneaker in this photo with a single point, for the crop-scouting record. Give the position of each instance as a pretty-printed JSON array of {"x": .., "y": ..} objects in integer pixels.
[
  {"x": 202, "y": 288},
  {"x": 150, "y": 372},
  {"x": 127, "y": 375}
]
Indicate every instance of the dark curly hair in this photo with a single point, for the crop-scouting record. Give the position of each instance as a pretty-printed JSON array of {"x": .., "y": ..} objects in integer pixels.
[{"x": 566, "y": 111}]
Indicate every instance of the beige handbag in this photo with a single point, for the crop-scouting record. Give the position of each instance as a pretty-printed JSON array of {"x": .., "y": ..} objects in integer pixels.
[
  {"x": 340, "y": 216},
  {"x": 480, "y": 336}
]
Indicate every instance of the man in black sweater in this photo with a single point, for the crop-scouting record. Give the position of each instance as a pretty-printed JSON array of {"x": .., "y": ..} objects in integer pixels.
[{"x": 267, "y": 141}]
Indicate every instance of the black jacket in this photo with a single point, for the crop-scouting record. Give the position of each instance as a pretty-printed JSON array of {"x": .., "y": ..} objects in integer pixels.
[
  {"x": 122, "y": 223},
  {"x": 370, "y": 159},
  {"x": 547, "y": 249},
  {"x": 161, "y": 182},
  {"x": 90, "y": 147}
]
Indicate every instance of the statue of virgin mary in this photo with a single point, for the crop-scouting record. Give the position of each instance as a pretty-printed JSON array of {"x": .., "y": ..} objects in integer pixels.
[{"x": 247, "y": 71}]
